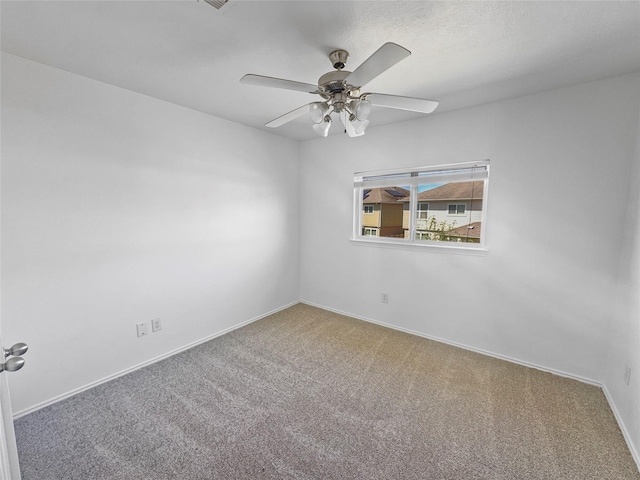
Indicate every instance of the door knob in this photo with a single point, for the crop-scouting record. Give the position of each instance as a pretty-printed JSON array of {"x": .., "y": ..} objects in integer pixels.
[
  {"x": 16, "y": 350},
  {"x": 16, "y": 362},
  {"x": 13, "y": 364}
]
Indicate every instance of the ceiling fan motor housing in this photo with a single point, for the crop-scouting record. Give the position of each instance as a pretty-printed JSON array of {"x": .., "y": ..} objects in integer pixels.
[
  {"x": 333, "y": 82},
  {"x": 338, "y": 58}
]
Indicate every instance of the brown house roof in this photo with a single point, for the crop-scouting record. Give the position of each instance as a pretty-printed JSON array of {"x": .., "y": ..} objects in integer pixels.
[
  {"x": 471, "y": 230},
  {"x": 385, "y": 195},
  {"x": 453, "y": 191}
]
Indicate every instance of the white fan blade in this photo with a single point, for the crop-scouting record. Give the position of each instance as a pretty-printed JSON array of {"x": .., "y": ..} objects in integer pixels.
[
  {"x": 382, "y": 59},
  {"x": 348, "y": 126},
  {"x": 287, "y": 117},
  {"x": 272, "y": 82},
  {"x": 402, "y": 103}
]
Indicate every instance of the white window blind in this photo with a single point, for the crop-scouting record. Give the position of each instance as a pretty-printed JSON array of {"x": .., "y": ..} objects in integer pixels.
[{"x": 460, "y": 172}]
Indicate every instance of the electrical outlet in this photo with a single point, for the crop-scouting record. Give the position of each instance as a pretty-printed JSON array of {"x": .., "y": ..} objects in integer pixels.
[
  {"x": 156, "y": 324},
  {"x": 143, "y": 328},
  {"x": 627, "y": 375},
  {"x": 384, "y": 298}
]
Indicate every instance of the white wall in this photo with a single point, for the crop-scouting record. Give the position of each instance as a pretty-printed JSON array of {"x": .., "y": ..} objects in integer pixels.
[
  {"x": 543, "y": 294},
  {"x": 624, "y": 329},
  {"x": 118, "y": 208}
]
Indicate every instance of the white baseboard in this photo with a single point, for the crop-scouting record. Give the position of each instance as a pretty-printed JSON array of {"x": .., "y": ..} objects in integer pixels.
[
  {"x": 460, "y": 345},
  {"x": 623, "y": 428},
  {"x": 108, "y": 378},
  {"x": 612, "y": 405}
]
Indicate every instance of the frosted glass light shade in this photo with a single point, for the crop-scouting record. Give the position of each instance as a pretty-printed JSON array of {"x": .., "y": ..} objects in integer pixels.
[
  {"x": 317, "y": 111},
  {"x": 362, "y": 110},
  {"x": 359, "y": 126},
  {"x": 322, "y": 128}
]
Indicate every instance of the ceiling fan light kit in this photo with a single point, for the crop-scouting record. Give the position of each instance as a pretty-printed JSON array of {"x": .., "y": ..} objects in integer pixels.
[{"x": 341, "y": 92}]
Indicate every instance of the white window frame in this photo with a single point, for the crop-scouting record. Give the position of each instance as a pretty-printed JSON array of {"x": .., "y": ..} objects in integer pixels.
[
  {"x": 373, "y": 230},
  {"x": 412, "y": 178},
  {"x": 364, "y": 211}
]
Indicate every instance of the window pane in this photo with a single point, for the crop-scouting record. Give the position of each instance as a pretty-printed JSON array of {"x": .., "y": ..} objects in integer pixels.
[
  {"x": 423, "y": 211},
  {"x": 383, "y": 210},
  {"x": 454, "y": 213},
  {"x": 456, "y": 209}
]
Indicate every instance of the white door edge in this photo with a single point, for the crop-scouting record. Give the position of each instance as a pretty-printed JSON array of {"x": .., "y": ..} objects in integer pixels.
[{"x": 9, "y": 465}]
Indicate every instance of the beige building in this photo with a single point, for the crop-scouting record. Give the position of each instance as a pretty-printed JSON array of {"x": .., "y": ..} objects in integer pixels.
[{"x": 382, "y": 211}]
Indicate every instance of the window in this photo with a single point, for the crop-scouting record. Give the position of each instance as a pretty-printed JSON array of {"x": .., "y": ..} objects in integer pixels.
[
  {"x": 428, "y": 206},
  {"x": 423, "y": 211},
  {"x": 457, "y": 208}
]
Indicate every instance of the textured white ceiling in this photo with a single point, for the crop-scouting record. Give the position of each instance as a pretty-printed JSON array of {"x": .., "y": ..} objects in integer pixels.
[{"x": 189, "y": 53}]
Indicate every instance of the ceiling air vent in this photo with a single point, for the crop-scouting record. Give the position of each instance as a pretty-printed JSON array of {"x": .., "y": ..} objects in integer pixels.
[{"x": 217, "y": 3}]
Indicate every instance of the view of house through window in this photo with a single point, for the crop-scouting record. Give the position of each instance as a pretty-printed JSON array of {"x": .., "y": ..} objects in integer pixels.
[
  {"x": 423, "y": 206},
  {"x": 386, "y": 206}
]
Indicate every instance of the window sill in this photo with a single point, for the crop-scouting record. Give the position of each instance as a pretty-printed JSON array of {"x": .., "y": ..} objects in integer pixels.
[{"x": 431, "y": 246}]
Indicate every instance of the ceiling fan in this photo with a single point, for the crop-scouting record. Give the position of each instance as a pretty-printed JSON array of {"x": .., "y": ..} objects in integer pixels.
[{"x": 341, "y": 92}]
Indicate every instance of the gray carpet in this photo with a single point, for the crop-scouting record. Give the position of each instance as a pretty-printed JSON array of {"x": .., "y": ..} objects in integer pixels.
[{"x": 308, "y": 394}]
